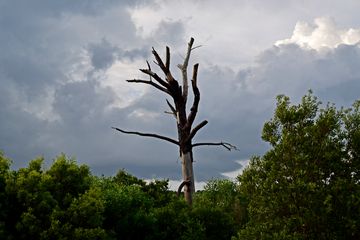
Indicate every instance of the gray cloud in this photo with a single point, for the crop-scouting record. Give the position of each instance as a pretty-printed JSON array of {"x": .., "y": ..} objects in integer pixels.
[
  {"x": 42, "y": 56},
  {"x": 238, "y": 104},
  {"x": 170, "y": 32},
  {"x": 54, "y": 59},
  {"x": 104, "y": 54}
]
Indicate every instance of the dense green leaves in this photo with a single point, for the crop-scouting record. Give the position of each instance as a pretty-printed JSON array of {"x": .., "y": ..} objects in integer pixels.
[
  {"x": 40, "y": 202},
  {"x": 67, "y": 202},
  {"x": 4, "y": 198},
  {"x": 221, "y": 209},
  {"x": 306, "y": 186}
]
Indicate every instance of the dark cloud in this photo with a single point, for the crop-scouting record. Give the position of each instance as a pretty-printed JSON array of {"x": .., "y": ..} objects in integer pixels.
[
  {"x": 235, "y": 103},
  {"x": 238, "y": 104},
  {"x": 54, "y": 59},
  {"x": 45, "y": 8},
  {"x": 292, "y": 70},
  {"x": 104, "y": 54},
  {"x": 49, "y": 93}
]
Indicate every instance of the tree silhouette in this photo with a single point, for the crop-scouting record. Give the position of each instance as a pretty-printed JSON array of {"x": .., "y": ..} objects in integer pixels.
[{"x": 179, "y": 94}]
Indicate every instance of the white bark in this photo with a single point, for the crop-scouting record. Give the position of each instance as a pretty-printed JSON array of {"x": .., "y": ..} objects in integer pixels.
[{"x": 188, "y": 175}]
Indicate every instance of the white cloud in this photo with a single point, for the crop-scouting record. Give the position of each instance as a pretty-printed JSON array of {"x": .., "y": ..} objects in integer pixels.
[
  {"x": 228, "y": 31},
  {"x": 143, "y": 114},
  {"x": 324, "y": 33},
  {"x": 115, "y": 77}
]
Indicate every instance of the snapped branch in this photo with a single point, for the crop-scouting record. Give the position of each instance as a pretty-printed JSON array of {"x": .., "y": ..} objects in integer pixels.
[
  {"x": 196, "y": 129},
  {"x": 183, "y": 67},
  {"x": 164, "y": 67},
  {"x": 156, "y": 77},
  {"x": 167, "y": 63},
  {"x": 195, "y": 106},
  {"x": 148, "y": 135},
  {"x": 171, "y": 113},
  {"x": 149, "y": 67},
  {"x": 158, "y": 59},
  {"x": 185, "y": 182},
  {"x": 150, "y": 83},
  {"x": 199, "y": 46},
  {"x": 226, "y": 145},
  {"x": 172, "y": 108}
]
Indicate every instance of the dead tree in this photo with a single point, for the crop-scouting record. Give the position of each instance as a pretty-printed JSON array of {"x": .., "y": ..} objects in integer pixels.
[{"x": 179, "y": 94}]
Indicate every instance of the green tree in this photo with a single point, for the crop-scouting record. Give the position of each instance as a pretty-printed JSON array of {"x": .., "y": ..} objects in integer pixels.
[
  {"x": 158, "y": 190},
  {"x": 78, "y": 213},
  {"x": 66, "y": 180},
  {"x": 31, "y": 202},
  {"x": 220, "y": 208},
  {"x": 124, "y": 178},
  {"x": 176, "y": 220},
  {"x": 307, "y": 185},
  {"x": 127, "y": 212},
  {"x": 37, "y": 200},
  {"x": 4, "y": 199},
  {"x": 82, "y": 220}
]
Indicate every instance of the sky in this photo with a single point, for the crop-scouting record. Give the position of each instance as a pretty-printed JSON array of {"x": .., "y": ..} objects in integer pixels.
[{"x": 63, "y": 66}]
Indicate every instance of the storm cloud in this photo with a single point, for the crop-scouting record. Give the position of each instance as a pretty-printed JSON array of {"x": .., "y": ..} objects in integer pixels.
[{"x": 63, "y": 67}]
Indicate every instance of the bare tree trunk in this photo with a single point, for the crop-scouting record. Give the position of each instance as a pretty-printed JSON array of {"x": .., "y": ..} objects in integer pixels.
[
  {"x": 179, "y": 93},
  {"x": 188, "y": 176}
]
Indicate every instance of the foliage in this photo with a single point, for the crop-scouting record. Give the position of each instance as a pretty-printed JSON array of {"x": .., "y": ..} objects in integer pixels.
[
  {"x": 124, "y": 178},
  {"x": 126, "y": 211},
  {"x": 67, "y": 202},
  {"x": 38, "y": 200},
  {"x": 307, "y": 185},
  {"x": 4, "y": 201},
  {"x": 220, "y": 208},
  {"x": 173, "y": 221}
]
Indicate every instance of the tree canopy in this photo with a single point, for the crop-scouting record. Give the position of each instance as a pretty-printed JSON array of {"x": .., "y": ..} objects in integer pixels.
[
  {"x": 307, "y": 185},
  {"x": 66, "y": 201}
]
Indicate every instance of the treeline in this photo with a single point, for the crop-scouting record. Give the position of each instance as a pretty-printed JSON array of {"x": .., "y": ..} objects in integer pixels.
[
  {"x": 67, "y": 202},
  {"x": 307, "y": 186}
]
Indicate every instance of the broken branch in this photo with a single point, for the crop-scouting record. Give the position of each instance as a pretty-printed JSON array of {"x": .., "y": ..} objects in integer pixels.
[
  {"x": 185, "y": 182},
  {"x": 167, "y": 63},
  {"x": 149, "y": 67},
  {"x": 148, "y": 135},
  {"x": 183, "y": 68},
  {"x": 199, "y": 46},
  {"x": 196, "y": 129},
  {"x": 171, "y": 113},
  {"x": 226, "y": 145},
  {"x": 171, "y": 107},
  {"x": 156, "y": 77},
  {"x": 150, "y": 83},
  {"x": 194, "y": 108},
  {"x": 163, "y": 67},
  {"x": 159, "y": 60}
]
